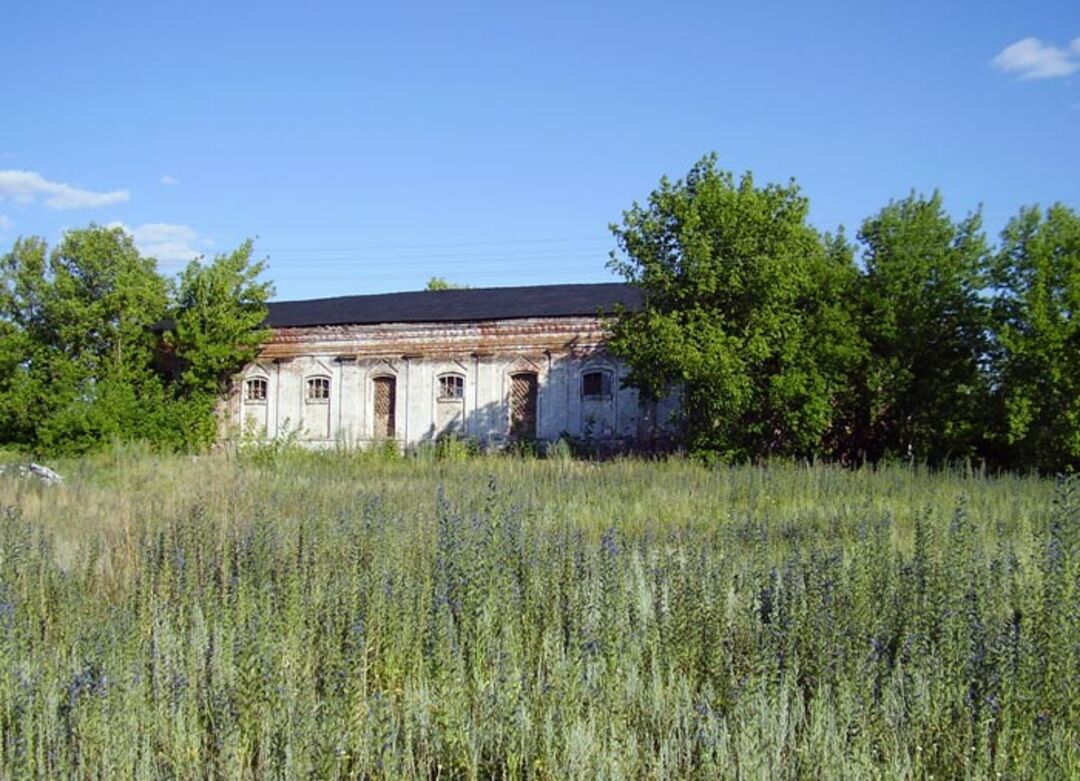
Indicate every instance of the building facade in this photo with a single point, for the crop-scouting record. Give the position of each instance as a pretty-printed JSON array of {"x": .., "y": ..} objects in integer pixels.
[{"x": 493, "y": 365}]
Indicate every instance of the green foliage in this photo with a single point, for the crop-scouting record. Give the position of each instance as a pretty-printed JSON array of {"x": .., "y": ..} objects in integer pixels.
[
  {"x": 441, "y": 283},
  {"x": 217, "y": 324},
  {"x": 79, "y": 351},
  {"x": 937, "y": 349},
  {"x": 456, "y": 447},
  {"x": 21, "y": 394},
  {"x": 1036, "y": 276},
  {"x": 254, "y": 447},
  {"x": 746, "y": 312},
  {"x": 77, "y": 360},
  {"x": 924, "y": 394},
  {"x": 99, "y": 299},
  {"x": 339, "y": 616}
]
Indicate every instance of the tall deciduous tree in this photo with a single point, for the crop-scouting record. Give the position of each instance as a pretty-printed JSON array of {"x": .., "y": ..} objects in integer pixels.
[
  {"x": 746, "y": 312},
  {"x": 80, "y": 335},
  {"x": 1036, "y": 278},
  {"x": 926, "y": 322},
  {"x": 101, "y": 296},
  {"x": 78, "y": 346},
  {"x": 218, "y": 322},
  {"x": 23, "y": 358},
  {"x": 217, "y": 326}
]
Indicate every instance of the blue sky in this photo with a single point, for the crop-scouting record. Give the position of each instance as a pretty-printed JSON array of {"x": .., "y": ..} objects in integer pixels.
[{"x": 368, "y": 147}]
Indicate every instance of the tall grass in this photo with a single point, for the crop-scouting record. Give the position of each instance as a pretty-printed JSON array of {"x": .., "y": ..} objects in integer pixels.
[{"x": 334, "y": 615}]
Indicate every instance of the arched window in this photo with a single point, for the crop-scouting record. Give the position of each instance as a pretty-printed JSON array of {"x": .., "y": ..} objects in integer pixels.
[
  {"x": 255, "y": 390},
  {"x": 318, "y": 390},
  {"x": 596, "y": 385},
  {"x": 451, "y": 387}
]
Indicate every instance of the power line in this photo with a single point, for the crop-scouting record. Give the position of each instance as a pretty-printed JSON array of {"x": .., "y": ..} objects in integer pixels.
[
  {"x": 471, "y": 259},
  {"x": 472, "y": 254},
  {"x": 437, "y": 245}
]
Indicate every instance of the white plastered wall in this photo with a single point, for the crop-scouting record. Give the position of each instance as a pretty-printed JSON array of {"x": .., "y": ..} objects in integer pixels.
[{"x": 347, "y": 418}]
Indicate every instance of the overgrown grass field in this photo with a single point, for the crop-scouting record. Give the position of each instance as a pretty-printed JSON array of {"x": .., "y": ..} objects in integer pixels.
[{"x": 290, "y": 615}]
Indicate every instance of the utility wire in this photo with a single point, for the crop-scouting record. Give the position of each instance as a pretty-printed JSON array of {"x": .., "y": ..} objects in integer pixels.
[
  {"x": 436, "y": 245},
  {"x": 418, "y": 260}
]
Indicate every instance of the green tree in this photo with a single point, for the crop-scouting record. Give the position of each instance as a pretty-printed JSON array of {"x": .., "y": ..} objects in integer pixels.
[
  {"x": 80, "y": 354},
  {"x": 441, "y": 283},
  {"x": 80, "y": 350},
  {"x": 1036, "y": 279},
  {"x": 23, "y": 400},
  {"x": 102, "y": 296},
  {"x": 924, "y": 393},
  {"x": 746, "y": 312},
  {"x": 219, "y": 320},
  {"x": 217, "y": 326}
]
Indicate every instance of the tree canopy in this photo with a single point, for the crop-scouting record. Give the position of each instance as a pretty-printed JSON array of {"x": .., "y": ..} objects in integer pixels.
[
  {"x": 441, "y": 283},
  {"x": 81, "y": 328},
  {"x": 924, "y": 317},
  {"x": 1036, "y": 367},
  {"x": 745, "y": 312},
  {"x": 918, "y": 341}
]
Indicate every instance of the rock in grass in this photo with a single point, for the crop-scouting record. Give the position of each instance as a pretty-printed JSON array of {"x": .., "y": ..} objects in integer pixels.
[{"x": 37, "y": 471}]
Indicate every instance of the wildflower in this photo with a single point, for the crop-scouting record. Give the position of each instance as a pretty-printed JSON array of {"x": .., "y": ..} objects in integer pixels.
[{"x": 609, "y": 543}]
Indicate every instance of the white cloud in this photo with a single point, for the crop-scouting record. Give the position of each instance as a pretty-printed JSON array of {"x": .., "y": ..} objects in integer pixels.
[
  {"x": 1030, "y": 58},
  {"x": 169, "y": 180},
  {"x": 27, "y": 186},
  {"x": 169, "y": 243},
  {"x": 6, "y": 223}
]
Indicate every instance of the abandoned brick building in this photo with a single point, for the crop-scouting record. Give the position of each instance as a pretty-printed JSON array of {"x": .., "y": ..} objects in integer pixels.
[{"x": 493, "y": 365}]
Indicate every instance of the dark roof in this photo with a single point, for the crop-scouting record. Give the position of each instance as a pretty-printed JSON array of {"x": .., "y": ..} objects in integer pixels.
[{"x": 429, "y": 306}]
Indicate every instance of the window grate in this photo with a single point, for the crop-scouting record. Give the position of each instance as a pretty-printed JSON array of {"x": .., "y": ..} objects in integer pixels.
[
  {"x": 255, "y": 390},
  {"x": 451, "y": 387},
  {"x": 385, "y": 403},
  {"x": 318, "y": 389},
  {"x": 596, "y": 385},
  {"x": 523, "y": 406}
]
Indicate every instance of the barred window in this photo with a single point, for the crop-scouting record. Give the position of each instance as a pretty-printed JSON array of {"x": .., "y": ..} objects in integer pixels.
[
  {"x": 318, "y": 389},
  {"x": 255, "y": 390},
  {"x": 451, "y": 387},
  {"x": 596, "y": 385}
]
